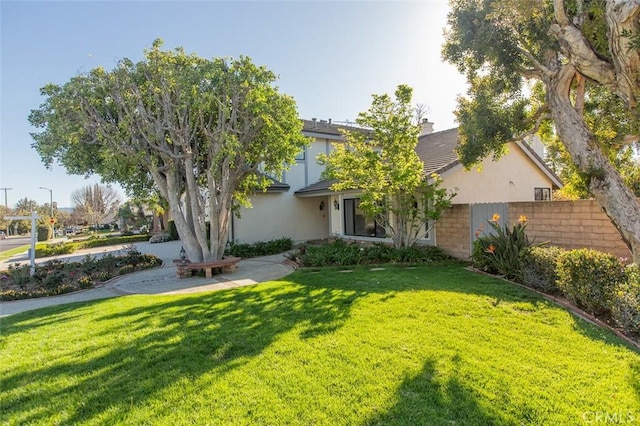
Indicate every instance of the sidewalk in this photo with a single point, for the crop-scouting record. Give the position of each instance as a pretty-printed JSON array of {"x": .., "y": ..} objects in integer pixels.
[{"x": 161, "y": 280}]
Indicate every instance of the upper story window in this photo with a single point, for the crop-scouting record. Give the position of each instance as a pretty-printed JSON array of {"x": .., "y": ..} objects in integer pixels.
[
  {"x": 542, "y": 194},
  {"x": 301, "y": 155}
]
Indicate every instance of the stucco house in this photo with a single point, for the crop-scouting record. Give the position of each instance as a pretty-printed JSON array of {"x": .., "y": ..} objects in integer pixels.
[{"x": 303, "y": 207}]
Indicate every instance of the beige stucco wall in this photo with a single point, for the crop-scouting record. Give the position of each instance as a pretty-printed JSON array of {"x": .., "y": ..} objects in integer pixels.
[
  {"x": 510, "y": 179},
  {"x": 282, "y": 214},
  {"x": 276, "y": 215}
]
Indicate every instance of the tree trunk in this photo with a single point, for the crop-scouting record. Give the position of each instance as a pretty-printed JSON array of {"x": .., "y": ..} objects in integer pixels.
[{"x": 616, "y": 199}]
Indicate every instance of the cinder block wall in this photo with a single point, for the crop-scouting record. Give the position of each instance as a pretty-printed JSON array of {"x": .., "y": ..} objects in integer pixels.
[
  {"x": 567, "y": 224},
  {"x": 452, "y": 231},
  {"x": 571, "y": 225}
]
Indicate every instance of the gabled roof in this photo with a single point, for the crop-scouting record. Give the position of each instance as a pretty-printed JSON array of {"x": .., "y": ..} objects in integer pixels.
[
  {"x": 324, "y": 127},
  {"x": 437, "y": 151},
  {"x": 315, "y": 188}
]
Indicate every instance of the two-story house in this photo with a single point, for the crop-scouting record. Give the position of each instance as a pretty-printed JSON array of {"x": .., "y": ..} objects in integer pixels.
[{"x": 303, "y": 207}]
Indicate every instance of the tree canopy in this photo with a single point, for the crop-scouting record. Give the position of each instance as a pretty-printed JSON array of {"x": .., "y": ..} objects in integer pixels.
[
  {"x": 564, "y": 69},
  {"x": 381, "y": 161},
  {"x": 205, "y": 132}
]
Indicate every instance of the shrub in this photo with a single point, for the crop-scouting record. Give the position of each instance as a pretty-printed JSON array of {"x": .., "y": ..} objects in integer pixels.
[
  {"x": 43, "y": 232},
  {"x": 625, "y": 306},
  {"x": 85, "y": 282},
  {"x": 160, "y": 238},
  {"x": 590, "y": 278},
  {"x": 53, "y": 279},
  {"x": 21, "y": 275},
  {"x": 342, "y": 253},
  {"x": 173, "y": 231},
  {"x": 103, "y": 276},
  {"x": 539, "y": 268},
  {"x": 45, "y": 250},
  {"x": 100, "y": 242},
  {"x": 502, "y": 252},
  {"x": 261, "y": 248},
  {"x": 126, "y": 269}
]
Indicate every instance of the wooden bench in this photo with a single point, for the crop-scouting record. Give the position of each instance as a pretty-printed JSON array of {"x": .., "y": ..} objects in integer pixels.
[{"x": 186, "y": 268}]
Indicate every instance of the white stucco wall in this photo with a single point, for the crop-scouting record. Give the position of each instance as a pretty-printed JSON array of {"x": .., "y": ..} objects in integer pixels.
[{"x": 512, "y": 178}]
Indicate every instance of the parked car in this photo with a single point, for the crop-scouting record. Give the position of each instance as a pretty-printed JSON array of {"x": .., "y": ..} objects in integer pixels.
[{"x": 2, "y": 235}]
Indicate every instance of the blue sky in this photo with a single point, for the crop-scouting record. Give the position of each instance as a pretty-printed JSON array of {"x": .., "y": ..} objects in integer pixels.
[{"x": 330, "y": 56}]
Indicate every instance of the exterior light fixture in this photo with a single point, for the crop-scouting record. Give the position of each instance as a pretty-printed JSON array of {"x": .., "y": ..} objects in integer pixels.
[
  {"x": 336, "y": 205},
  {"x": 321, "y": 205},
  {"x": 183, "y": 256}
]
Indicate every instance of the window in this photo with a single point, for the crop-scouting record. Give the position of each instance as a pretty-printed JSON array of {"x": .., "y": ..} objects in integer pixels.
[
  {"x": 542, "y": 194},
  {"x": 357, "y": 224},
  {"x": 301, "y": 155}
]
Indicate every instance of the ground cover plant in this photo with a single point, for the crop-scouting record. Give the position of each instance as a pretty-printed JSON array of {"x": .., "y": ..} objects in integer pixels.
[
  {"x": 429, "y": 344},
  {"x": 58, "y": 276}
]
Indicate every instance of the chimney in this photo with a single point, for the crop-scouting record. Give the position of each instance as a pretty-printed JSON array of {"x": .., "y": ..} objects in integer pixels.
[
  {"x": 426, "y": 127},
  {"x": 315, "y": 125},
  {"x": 329, "y": 121}
]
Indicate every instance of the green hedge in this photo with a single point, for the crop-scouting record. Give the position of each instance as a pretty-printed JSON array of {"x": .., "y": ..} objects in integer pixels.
[
  {"x": 625, "y": 306},
  {"x": 342, "y": 253},
  {"x": 590, "y": 278},
  {"x": 68, "y": 247},
  {"x": 539, "y": 268},
  {"x": 261, "y": 248}
]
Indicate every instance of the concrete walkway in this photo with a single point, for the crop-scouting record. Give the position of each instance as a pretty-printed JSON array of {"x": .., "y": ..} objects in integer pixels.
[{"x": 161, "y": 280}]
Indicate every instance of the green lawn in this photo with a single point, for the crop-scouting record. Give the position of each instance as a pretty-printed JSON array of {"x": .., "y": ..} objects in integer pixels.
[{"x": 432, "y": 345}]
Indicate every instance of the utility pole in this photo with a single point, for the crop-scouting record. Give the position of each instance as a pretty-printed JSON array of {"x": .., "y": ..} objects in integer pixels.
[{"x": 5, "y": 195}]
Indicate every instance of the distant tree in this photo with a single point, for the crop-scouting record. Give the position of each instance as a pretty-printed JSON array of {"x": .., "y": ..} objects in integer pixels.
[
  {"x": 95, "y": 203},
  {"x": 567, "y": 68},
  {"x": 383, "y": 164},
  {"x": 207, "y": 133},
  {"x": 5, "y": 223},
  {"x": 63, "y": 219},
  {"x": 24, "y": 207}
]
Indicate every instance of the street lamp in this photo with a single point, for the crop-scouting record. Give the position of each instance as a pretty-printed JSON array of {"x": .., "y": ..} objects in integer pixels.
[{"x": 51, "y": 209}]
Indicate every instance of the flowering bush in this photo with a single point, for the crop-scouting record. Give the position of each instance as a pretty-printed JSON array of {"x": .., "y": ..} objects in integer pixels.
[
  {"x": 501, "y": 252},
  {"x": 58, "y": 277}
]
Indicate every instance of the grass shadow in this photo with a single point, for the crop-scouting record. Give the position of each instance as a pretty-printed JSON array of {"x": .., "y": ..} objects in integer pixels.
[
  {"x": 215, "y": 333},
  {"x": 433, "y": 398},
  {"x": 189, "y": 336}
]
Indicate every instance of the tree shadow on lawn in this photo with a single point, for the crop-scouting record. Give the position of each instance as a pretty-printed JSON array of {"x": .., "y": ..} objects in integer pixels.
[
  {"x": 429, "y": 399},
  {"x": 161, "y": 342}
]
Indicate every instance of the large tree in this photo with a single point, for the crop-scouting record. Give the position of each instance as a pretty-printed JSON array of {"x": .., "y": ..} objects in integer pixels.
[
  {"x": 207, "y": 133},
  {"x": 381, "y": 161},
  {"x": 534, "y": 62},
  {"x": 95, "y": 203}
]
